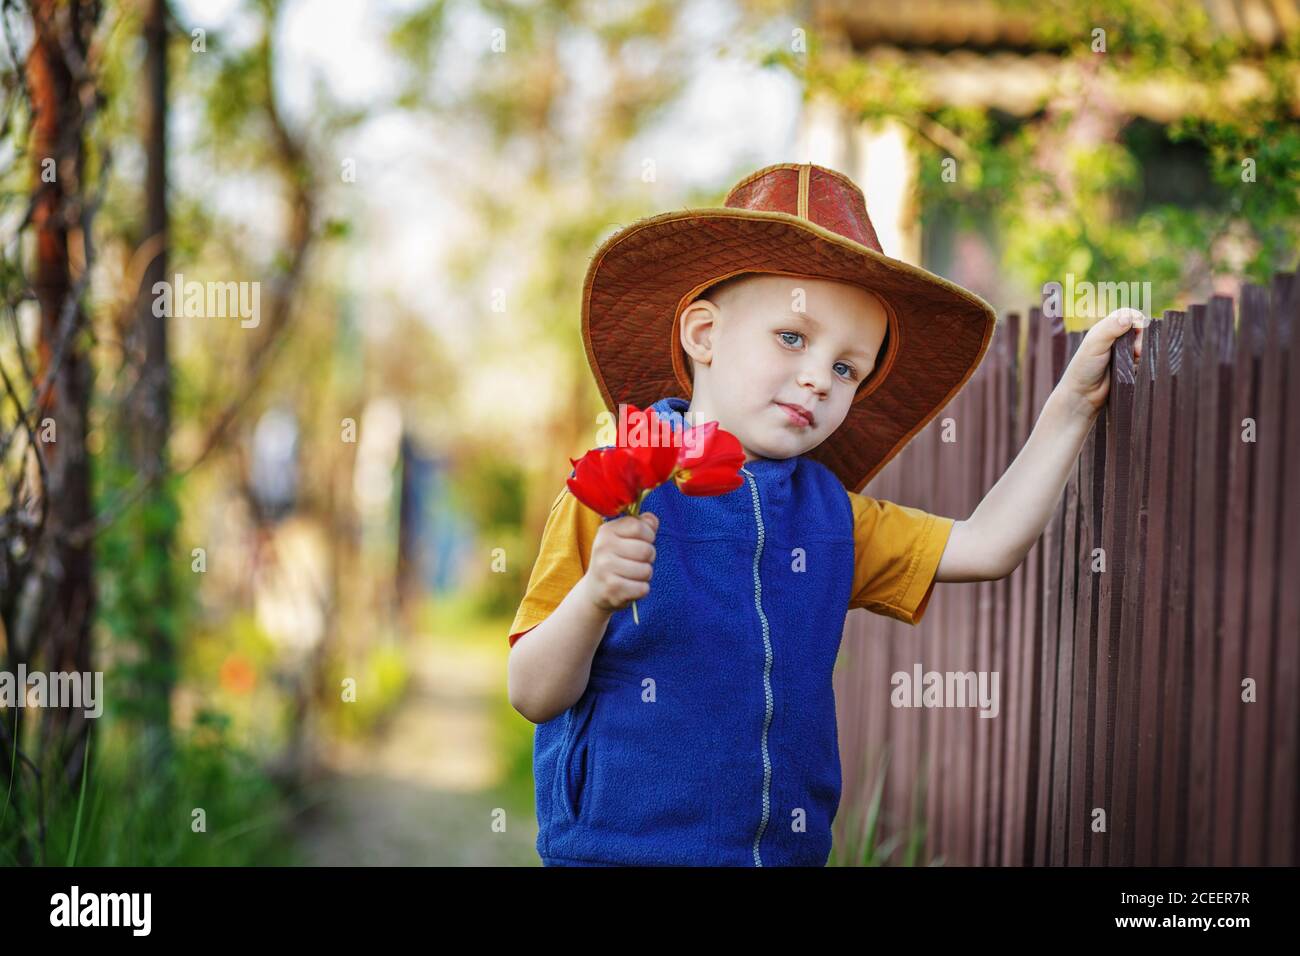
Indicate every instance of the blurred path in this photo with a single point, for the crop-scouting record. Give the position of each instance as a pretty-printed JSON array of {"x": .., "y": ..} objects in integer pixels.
[{"x": 423, "y": 791}]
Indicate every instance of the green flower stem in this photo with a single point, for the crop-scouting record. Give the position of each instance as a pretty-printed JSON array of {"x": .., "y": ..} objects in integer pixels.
[{"x": 634, "y": 510}]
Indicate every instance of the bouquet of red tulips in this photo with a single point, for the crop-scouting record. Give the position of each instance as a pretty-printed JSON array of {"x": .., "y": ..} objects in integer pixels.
[{"x": 614, "y": 481}]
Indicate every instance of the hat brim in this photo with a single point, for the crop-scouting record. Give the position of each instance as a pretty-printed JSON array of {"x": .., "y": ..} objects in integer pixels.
[{"x": 642, "y": 277}]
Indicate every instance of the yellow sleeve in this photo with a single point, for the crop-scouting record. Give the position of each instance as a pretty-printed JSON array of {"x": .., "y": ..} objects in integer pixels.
[
  {"x": 562, "y": 560},
  {"x": 897, "y": 551}
]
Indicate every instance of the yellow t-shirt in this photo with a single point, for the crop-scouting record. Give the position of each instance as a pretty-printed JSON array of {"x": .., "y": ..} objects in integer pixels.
[{"x": 897, "y": 551}]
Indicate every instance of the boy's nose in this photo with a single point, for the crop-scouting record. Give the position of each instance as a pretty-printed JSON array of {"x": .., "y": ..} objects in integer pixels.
[{"x": 814, "y": 380}]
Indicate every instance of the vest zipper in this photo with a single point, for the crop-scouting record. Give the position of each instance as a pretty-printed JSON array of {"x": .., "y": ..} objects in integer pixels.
[{"x": 767, "y": 670}]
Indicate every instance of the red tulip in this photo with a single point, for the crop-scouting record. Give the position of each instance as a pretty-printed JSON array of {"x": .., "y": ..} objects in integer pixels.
[
  {"x": 654, "y": 464},
  {"x": 709, "y": 463},
  {"x": 605, "y": 480},
  {"x": 615, "y": 480},
  {"x": 608, "y": 480}
]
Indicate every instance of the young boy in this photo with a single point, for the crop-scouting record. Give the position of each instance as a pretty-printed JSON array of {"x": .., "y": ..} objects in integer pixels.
[{"x": 706, "y": 734}]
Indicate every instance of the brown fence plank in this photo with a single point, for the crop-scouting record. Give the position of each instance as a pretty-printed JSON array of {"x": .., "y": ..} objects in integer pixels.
[
  {"x": 1008, "y": 620},
  {"x": 1284, "y": 726},
  {"x": 1220, "y": 575},
  {"x": 992, "y": 638},
  {"x": 1063, "y": 734},
  {"x": 1248, "y": 809},
  {"x": 1177, "y": 717},
  {"x": 1022, "y": 686},
  {"x": 996, "y": 638},
  {"x": 1135, "y": 381},
  {"x": 1042, "y": 614},
  {"x": 1009, "y": 623},
  {"x": 1111, "y": 581},
  {"x": 1083, "y": 798},
  {"x": 1161, "y": 339}
]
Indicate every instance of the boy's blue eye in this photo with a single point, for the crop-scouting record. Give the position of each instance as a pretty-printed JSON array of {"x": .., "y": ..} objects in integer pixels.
[{"x": 850, "y": 373}]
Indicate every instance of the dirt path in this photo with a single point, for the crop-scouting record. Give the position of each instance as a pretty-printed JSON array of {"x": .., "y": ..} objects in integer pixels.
[{"x": 425, "y": 791}]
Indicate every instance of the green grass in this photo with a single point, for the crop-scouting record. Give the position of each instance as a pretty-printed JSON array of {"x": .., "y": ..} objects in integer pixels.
[
  {"x": 874, "y": 848},
  {"x": 129, "y": 812}
]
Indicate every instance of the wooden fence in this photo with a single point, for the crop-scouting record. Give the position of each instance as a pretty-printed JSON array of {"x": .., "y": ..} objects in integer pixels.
[{"x": 1127, "y": 731}]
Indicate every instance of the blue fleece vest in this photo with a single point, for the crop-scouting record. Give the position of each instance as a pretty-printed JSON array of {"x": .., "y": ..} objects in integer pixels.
[{"x": 707, "y": 733}]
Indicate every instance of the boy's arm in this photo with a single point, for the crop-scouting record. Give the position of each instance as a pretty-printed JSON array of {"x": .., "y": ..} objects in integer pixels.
[
  {"x": 992, "y": 542},
  {"x": 540, "y": 680},
  {"x": 586, "y": 569},
  {"x": 549, "y": 667}
]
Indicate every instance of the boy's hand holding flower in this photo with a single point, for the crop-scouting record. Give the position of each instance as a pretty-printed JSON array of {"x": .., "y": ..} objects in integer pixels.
[
  {"x": 622, "y": 561},
  {"x": 614, "y": 481}
]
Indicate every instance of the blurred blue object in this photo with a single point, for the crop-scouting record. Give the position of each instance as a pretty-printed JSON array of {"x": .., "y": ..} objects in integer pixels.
[{"x": 434, "y": 535}]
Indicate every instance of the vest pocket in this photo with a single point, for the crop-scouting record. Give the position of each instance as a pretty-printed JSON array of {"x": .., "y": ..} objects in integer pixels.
[
  {"x": 575, "y": 759},
  {"x": 653, "y": 785}
]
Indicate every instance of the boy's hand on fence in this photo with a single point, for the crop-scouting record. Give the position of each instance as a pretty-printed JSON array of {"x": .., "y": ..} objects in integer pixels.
[
  {"x": 1087, "y": 378},
  {"x": 622, "y": 561}
]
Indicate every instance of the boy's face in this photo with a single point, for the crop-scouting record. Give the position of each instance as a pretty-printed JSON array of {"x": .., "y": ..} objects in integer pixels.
[{"x": 773, "y": 341}]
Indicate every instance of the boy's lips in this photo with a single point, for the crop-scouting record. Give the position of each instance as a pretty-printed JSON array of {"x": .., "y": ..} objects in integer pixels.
[{"x": 800, "y": 416}]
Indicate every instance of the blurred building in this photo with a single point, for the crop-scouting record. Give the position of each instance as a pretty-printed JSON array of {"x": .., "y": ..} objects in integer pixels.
[{"x": 985, "y": 54}]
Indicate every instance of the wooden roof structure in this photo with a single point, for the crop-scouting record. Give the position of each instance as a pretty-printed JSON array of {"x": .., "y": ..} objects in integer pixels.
[{"x": 982, "y": 53}]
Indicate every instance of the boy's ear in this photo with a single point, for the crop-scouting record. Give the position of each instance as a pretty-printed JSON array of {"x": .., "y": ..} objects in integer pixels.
[{"x": 697, "y": 331}]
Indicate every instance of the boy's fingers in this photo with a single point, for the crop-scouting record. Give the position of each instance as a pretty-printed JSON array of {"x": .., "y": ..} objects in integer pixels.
[
  {"x": 629, "y": 527},
  {"x": 637, "y": 549},
  {"x": 1127, "y": 318},
  {"x": 1103, "y": 334},
  {"x": 631, "y": 569}
]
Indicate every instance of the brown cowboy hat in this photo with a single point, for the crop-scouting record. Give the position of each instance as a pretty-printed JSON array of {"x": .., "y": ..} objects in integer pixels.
[{"x": 792, "y": 219}]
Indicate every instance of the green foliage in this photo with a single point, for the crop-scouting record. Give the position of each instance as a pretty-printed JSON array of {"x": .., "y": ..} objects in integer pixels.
[
  {"x": 1057, "y": 202},
  {"x": 490, "y": 492},
  {"x": 872, "y": 847},
  {"x": 336, "y": 229},
  {"x": 236, "y": 96},
  {"x": 143, "y": 597},
  {"x": 493, "y": 496},
  {"x": 415, "y": 39},
  {"x": 1269, "y": 206},
  {"x": 138, "y": 811},
  {"x": 381, "y": 673}
]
